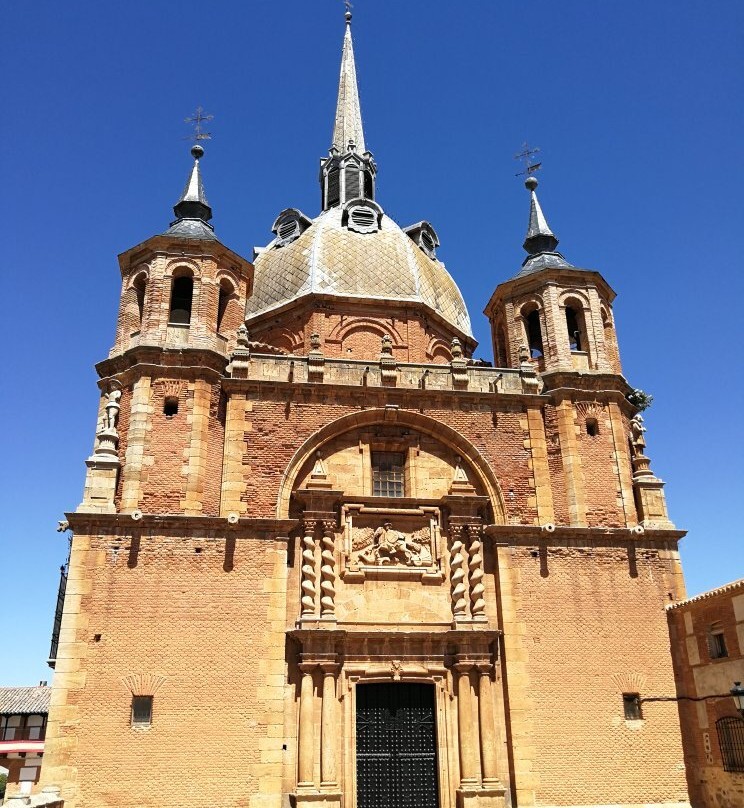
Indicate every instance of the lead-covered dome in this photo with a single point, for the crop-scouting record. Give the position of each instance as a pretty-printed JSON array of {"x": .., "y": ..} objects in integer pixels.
[{"x": 352, "y": 252}]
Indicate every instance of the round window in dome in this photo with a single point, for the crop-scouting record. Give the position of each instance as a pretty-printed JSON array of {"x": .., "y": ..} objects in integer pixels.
[{"x": 363, "y": 219}]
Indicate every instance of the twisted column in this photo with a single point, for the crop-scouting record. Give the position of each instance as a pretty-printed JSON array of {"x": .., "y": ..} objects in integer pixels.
[
  {"x": 305, "y": 763},
  {"x": 327, "y": 571},
  {"x": 475, "y": 563},
  {"x": 457, "y": 571},
  {"x": 328, "y": 729},
  {"x": 308, "y": 571},
  {"x": 490, "y": 735},
  {"x": 468, "y": 734}
]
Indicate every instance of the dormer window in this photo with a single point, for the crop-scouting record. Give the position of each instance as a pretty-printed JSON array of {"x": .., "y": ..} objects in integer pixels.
[
  {"x": 425, "y": 236},
  {"x": 289, "y": 225},
  {"x": 362, "y": 216}
]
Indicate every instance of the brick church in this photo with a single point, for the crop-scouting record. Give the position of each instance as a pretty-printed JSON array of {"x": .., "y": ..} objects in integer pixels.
[{"x": 325, "y": 558}]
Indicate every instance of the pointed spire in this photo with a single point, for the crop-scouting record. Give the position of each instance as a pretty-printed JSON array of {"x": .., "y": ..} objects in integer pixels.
[
  {"x": 192, "y": 209},
  {"x": 540, "y": 238},
  {"x": 348, "y": 124},
  {"x": 193, "y": 202}
]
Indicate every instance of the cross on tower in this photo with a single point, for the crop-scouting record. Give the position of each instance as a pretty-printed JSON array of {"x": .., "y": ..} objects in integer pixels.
[
  {"x": 197, "y": 120},
  {"x": 527, "y": 156}
]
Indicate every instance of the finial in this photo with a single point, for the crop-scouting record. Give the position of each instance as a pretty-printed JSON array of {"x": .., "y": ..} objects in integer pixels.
[
  {"x": 197, "y": 152},
  {"x": 197, "y": 120},
  {"x": 531, "y": 183},
  {"x": 348, "y": 12},
  {"x": 527, "y": 156}
]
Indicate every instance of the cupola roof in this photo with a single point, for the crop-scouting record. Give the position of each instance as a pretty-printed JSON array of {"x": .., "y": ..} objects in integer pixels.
[
  {"x": 352, "y": 249},
  {"x": 332, "y": 258}
]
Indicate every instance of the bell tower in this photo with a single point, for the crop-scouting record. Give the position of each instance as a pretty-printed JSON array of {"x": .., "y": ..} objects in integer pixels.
[
  {"x": 558, "y": 314},
  {"x": 182, "y": 299}
]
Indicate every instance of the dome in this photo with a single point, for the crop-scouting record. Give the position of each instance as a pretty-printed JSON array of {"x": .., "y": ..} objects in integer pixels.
[{"x": 328, "y": 258}]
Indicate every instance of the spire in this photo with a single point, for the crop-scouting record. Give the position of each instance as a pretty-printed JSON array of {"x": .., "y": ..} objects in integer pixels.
[
  {"x": 540, "y": 238},
  {"x": 192, "y": 209},
  {"x": 348, "y": 124},
  {"x": 193, "y": 202}
]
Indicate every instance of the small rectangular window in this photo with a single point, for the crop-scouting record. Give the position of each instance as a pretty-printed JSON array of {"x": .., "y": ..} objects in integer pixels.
[
  {"x": 632, "y": 706},
  {"x": 717, "y": 644},
  {"x": 141, "y": 711},
  {"x": 388, "y": 470}
]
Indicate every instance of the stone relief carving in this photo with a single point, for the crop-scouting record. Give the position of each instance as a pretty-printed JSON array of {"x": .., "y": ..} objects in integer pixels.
[{"x": 387, "y": 546}]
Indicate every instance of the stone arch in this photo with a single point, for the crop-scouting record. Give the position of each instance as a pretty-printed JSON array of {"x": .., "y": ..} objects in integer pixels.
[
  {"x": 179, "y": 266},
  {"x": 424, "y": 423},
  {"x": 343, "y": 329},
  {"x": 439, "y": 351}
]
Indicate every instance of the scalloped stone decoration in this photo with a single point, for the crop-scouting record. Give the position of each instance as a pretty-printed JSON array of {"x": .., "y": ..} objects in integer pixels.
[{"x": 143, "y": 684}]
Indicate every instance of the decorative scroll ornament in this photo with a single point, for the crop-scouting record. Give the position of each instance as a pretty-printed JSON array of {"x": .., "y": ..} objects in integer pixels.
[{"x": 390, "y": 547}]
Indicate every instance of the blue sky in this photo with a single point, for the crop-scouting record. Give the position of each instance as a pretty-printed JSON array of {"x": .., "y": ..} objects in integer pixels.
[{"x": 637, "y": 109}]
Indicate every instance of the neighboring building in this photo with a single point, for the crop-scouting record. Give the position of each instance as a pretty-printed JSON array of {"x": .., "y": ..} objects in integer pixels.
[
  {"x": 23, "y": 719},
  {"x": 325, "y": 558},
  {"x": 707, "y": 636}
]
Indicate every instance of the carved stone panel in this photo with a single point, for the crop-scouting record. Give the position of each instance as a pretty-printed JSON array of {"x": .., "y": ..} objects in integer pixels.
[{"x": 380, "y": 539}]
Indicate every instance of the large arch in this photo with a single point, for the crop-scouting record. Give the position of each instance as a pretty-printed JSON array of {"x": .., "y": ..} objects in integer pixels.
[{"x": 436, "y": 429}]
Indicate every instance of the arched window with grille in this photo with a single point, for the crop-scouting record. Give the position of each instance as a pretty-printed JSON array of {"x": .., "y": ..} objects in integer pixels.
[{"x": 730, "y": 730}]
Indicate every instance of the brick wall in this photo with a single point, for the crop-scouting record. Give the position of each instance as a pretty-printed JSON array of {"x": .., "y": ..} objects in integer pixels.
[{"x": 201, "y": 621}]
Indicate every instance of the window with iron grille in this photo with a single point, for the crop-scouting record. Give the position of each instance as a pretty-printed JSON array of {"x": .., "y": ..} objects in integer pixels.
[
  {"x": 731, "y": 740},
  {"x": 141, "y": 711},
  {"x": 632, "y": 706},
  {"x": 388, "y": 469}
]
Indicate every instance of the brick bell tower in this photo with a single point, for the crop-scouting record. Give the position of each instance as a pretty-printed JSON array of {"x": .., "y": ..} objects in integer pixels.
[
  {"x": 182, "y": 300},
  {"x": 554, "y": 320}
]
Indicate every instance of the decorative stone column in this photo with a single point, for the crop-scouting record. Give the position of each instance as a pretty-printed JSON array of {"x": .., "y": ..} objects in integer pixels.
[
  {"x": 457, "y": 572},
  {"x": 305, "y": 762},
  {"x": 328, "y": 571},
  {"x": 490, "y": 735},
  {"x": 475, "y": 564},
  {"x": 328, "y": 728},
  {"x": 308, "y": 570},
  {"x": 468, "y": 734}
]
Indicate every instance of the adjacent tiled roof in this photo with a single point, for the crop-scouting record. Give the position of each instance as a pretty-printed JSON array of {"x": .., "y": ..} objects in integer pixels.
[
  {"x": 330, "y": 259},
  {"x": 732, "y": 587},
  {"x": 24, "y": 699}
]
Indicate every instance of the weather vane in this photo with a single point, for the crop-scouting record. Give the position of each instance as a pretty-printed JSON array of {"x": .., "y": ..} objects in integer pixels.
[
  {"x": 197, "y": 120},
  {"x": 348, "y": 5},
  {"x": 527, "y": 156}
]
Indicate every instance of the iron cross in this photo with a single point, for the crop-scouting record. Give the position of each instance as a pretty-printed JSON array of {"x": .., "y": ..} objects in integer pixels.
[
  {"x": 197, "y": 120},
  {"x": 527, "y": 156}
]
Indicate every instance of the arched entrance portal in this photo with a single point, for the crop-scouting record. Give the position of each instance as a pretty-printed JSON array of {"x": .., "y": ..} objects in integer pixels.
[{"x": 396, "y": 746}]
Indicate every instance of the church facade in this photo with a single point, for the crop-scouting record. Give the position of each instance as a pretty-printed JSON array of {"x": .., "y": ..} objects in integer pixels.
[{"x": 325, "y": 558}]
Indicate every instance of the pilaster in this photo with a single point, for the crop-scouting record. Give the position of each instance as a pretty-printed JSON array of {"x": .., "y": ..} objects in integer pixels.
[
  {"x": 139, "y": 425},
  {"x": 571, "y": 462}
]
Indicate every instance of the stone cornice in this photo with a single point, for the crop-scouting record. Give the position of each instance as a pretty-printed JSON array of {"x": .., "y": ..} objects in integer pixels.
[
  {"x": 244, "y": 527},
  {"x": 532, "y": 534},
  {"x": 157, "y": 359}
]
